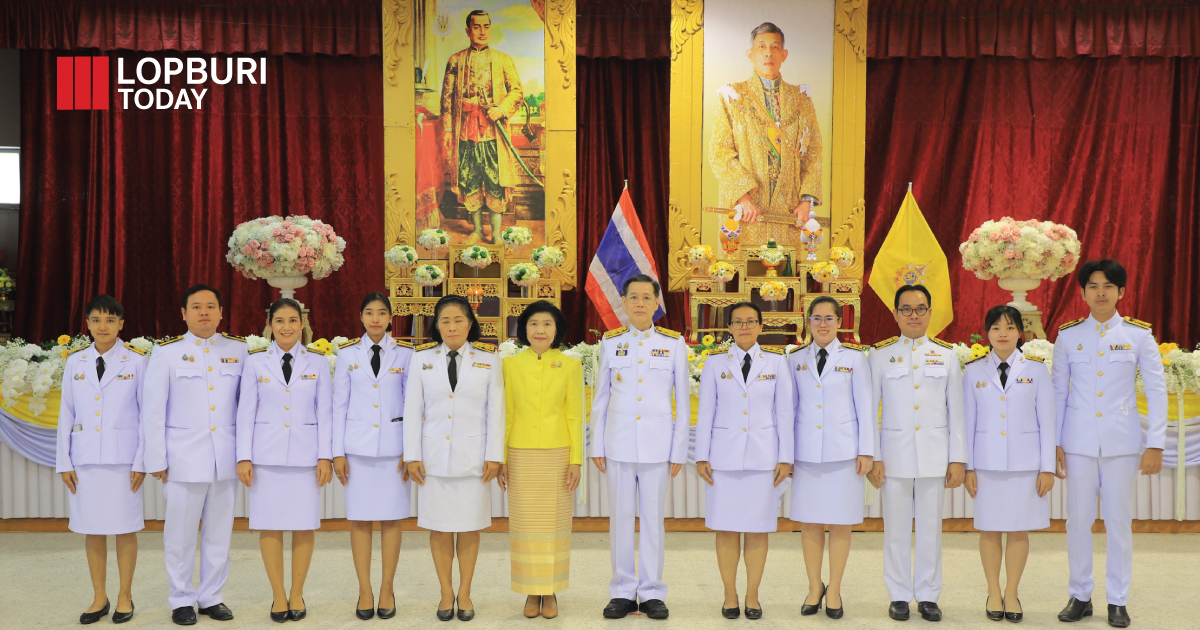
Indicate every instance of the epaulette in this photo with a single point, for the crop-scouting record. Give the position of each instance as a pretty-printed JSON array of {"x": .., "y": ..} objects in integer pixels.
[
  {"x": 316, "y": 351},
  {"x": 1038, "y": 359},
  {"x": 800, "y": 347},
  {"x": 233, "y": 337},
  {"x": 404, "y": 343},
  {"x": 979, "y": 358},
  {"x": 135, "y": 349},
  {"x": 855, "y": 346},
  {"x": 486, "y": 347},
  {"x": 348, "y": 343},
  {"x": 773, "y": 349},
  {"x": 716, "y": 352},
  {"x": 1137, "y": 322},
  {"x": 667, "y": 331},
  {"x": 944, "y": 344},
  {"x": 426, "y": 346},
  {"x": 1072, "y": 323},
  {"x": 257, "y": 350},
  {"x": 78, "y": 349},
  {"x": 170, "y": 340},
  {"x": 886, "y": 342},
  {"x": 616, "y": 331}
]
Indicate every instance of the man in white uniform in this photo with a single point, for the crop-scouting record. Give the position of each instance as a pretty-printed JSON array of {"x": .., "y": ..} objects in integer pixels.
[
  {"x": 921, "y": 450},
  {"x": 189, "y": 414},
  {"x": 1100, "y": 433},
  {"x": 640, "y": 443}
]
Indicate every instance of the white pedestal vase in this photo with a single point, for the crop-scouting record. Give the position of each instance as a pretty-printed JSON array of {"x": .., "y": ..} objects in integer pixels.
[
  {"x": 287, "y": 285},
  {"x": 1020, "y": 287}
]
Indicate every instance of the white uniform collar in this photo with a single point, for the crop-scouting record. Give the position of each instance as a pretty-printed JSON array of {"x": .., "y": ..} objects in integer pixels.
[
  {"x": 108, "y": 356},
  {"x": 741, "y": 356},
  {"x": 192, "y": 340},
  {"x": 387, "y": 342},
  {"x": 829, "y": 349},
  {"x": 994, "y": 360},
  {"x": 295, "y": 351},
  {"x": 1112, "y": 322},
  {"x": 641, "y": 334},
  {"x": 442, "y": 348}
]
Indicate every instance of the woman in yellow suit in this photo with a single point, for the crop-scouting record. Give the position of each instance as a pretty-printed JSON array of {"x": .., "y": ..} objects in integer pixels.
[{"x": 543, "y": 439}]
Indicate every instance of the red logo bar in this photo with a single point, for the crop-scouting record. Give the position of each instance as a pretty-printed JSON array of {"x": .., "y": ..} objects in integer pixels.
[
  {"x": 82, "y": 83},
  {"x": 99, "y": 82},
  {"x": 66, "y": 83}
]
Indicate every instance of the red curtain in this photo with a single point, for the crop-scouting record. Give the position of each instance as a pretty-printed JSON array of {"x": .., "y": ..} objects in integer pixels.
[
  {"x": 627, "y": 29},
  {"x": 275, "y": 27},
  {"x": 1033, "y": 29},
  {"x": 141, "y": 203},
  {"x": 1106, "y": 146},
  {"x": 624, "y": 133}
]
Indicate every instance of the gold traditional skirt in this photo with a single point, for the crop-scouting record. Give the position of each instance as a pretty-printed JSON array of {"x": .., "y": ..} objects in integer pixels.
[{"x": 539, "y": 519}]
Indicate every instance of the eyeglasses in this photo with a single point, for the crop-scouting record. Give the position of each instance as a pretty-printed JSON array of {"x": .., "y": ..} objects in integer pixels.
[
  {"x": 746, "y": 324},
  {"x": 921, "y": 311},
  {"x": 827, "y": 321}
]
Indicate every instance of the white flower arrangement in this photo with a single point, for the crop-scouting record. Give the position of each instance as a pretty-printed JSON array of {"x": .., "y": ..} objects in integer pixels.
[
  {"x": 516, "y": 236},
  {"x": 771, "y": 254},
  {"x": 429, "y": 275},
  {"x": 841, "y": 256},
  {"x": 524, "y": 274},
  {"x": 701, "y": 256},
  {"x": 401, "y": 256},
  {"x": 698, "y": 354},
  {"x": 773, "y": 291},
  {"x": 1020, "y": 249},
  {"x": 276, "y": 246},
  {"x": 547, "y": 257},
  {"x": 433, "y": 239},
  {"x": 1041, "y": 349},
  {"x": 825, "y": 271},
  {"x": 721, "y": 271},
  {"x": 475, "y": 256},
  {"x": 508, "y": 348}
]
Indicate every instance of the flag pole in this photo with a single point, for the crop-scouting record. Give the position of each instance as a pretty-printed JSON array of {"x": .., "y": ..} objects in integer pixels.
[
  {"x": 627, "y": 183},
  {"x": 910, "y": 187}
]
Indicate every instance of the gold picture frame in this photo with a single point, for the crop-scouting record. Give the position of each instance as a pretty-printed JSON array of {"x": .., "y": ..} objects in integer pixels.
[
  {"x": 399, "y": 128},
  {"x": 847, "y": 141}
]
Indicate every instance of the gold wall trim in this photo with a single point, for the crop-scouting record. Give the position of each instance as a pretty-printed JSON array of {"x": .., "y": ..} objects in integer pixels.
[
  {"x": 560, "y": 27},
  {"x": 560, "y": 137},
  {"x": 687, "y": 18},
  {"x": 850, "y": 19},
  {"x": 397, "y": 23},
  {"x": 686, "y": 150}
]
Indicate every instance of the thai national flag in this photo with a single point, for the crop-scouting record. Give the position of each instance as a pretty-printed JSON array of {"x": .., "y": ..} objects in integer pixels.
[{"x": 623, "y": 252}]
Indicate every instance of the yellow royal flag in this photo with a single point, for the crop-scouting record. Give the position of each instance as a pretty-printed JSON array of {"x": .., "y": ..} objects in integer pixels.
[{"x": 911, "y": 255}]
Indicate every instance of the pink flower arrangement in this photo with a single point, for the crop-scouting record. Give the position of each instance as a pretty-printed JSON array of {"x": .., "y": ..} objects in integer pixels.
[
  {"x": 1020, "y": 249},
  {"x": 285, "y": 246}
]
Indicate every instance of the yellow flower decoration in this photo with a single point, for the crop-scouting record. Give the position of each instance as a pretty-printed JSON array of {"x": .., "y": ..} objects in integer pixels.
[
  {"x": 65, "y": 353},
  {"x": 703, "y": 353},
  {"x": 978, "y": 350},
  {"x": 700, "y": 365},
  {"x": 64, "y": 340},
  {"x": 709, "y": 340},
  {"x": 1167, "y": 348},
  {"x": 1166, "y": 361},
  {"x": 321, "y": 344}
]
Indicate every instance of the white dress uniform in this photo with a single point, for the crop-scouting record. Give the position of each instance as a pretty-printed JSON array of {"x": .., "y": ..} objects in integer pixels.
[
  {"x": 368, "y": 427},
  {"x": 638, "y": 434},
  {"x": 1010, "y": 439},
  {"x": 744, "y": 429},
  {"x": 453, "y": 431},
  {"x": 284, "y": 427},
  {"x": 835, "y": 423},
  {"x": 918, "y": 382},
  {"x": 189, "y": 412},
  {"x": 1100, "y": 432},
  {"x": 99, "y": 439}
]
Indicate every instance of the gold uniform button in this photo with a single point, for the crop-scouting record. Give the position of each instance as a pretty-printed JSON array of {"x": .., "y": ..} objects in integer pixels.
[
  {"x": 286, "y": 389},
  {"x": 197, "y": 342},
  {"x": 639, "y": 398},
  {"x": 743, "y": 395},
  {"x": 1099, "y": 394},
  {"x": 447, "y": 437},
  {"x": 1101, "y": 353},
  {"x": 744, "y": 413},
  {"x": 916, "y": 387},
  {"x": 376, "y": 425},
  {"x": 448, "y": 416},
  {"x": 210, "y": 368},
  {"x": 914, "y": 367},
  {"x": 206, "y": 350},
  {"x": 818, "y": 406},
  {"x": 818, "y": 426},
  {"x": 97, "y": 428},
  {"x": 210, "y": 387},
  {"x": 287, "y": 424},
  {"x": 1100, "y": 374},
  {"x": 743, "y": 430},
  {"x": 1098, "y": 414},
  {"x": 287, "y": 407},
  {"x": 375, "y": 385},
  {"x": 97, "y": 398},
  {"x": 1001, "y": 399},
  {"x": 916, "y": 406},
  {"x": 376, "y": 405},
  {"x": 212, "y": 408},
  {"x": 1003, "y": 416},
  {"x": 818, "y": 386},
  {"x": 637, "y": 418},
  {"x": 452, "y": 395},
  {"x": 639, "y": 343},
  {"x": 918, "y": 427},
  {"x": 97, "y": 413},
  {"x": 639, "y": 360},
  {"x": 639, "y": 380},
  {"x": 1003, "y": 433},
  {"x": 214, "y": 428}
]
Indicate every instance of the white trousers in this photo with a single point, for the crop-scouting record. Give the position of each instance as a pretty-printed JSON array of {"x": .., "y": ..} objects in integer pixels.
[
  {"x": 637, "y": 489},
  {"x": 1113, "y": 479},
  {"x": 187, "y": 505},
  {"x": 903, "y": 500}
]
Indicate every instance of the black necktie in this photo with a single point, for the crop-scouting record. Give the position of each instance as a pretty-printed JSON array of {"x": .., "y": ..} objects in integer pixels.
[
  {"x": 821, "y": 356},
  {"x": 375, "y": 359},
  {"x": 746, "y": 368},
  {"x": 99, "y": 368},
  {"x": 287, "y": 368},
  {"x": 1003, "y": 374},
  {"x": 453, "y": 370}
]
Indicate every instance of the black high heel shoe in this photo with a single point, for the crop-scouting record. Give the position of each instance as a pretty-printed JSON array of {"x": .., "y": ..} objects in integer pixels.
[
  {"x": 831, "y": 612},
  {"x": 812, "y": 609},
  {"x": 447, "y": 615},
  {"x": 387, "y": 613},
  {"x": 120, "y": 617},
  {"x": 1015, "y": 617},
  {"x": 278, "y": 617},
  {"x": 297, "y": 615},
  {"x": 731, "y": 613},
  {"x": 367, "y": 613},
  {"x": 93, "y": 617},
  {"x": 753, "y": 613},
  {"x": 993, "y": 615}
]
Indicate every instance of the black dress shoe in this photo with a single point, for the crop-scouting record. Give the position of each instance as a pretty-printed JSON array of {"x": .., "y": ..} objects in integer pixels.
[
  {"x": 731, "y": 613},
  {"x": 619, "y": 607},
  {"x": 446, "y": 615},
  {"x": 184, "y": 616},
  {"x": 1118, "y": 617},
  {"x": 1075, "y": 610},
  {"x": 993, "y": 615},
  {"x": 811, "y": 609},
  {"x": 753, "y": 613},
  {"x": 465, "y": 615},
  {"x": 297, "y": 615},
  {"x": 654, "y": 608},
  {"x": 218, "y": 612},
  {"x": 93, "y": 617},
  {"x": 898, "y": 611},
  {"x": 929, "y": 611},
  {"x": 120, "y": 617},
  {"x": 367, "y": 613},
  {"x": 278, "y": 617},
  {"x": 831, "y": 612},
  {"x": 1014, "y": 616},
  {"x": 384, "y": 613}
]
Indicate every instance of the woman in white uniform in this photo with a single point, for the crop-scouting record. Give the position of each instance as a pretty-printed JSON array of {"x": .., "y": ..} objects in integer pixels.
[
  {"x": 100, "y": 451},
  {"x": 744, "y": 450},
  {"x": 368, "y": 447},
  {"x": 835, "y": 445},
  {"x": 1010, "y": 419},
  {"x": 284, "y": 444},
  {"x": 455, "y": 444}
]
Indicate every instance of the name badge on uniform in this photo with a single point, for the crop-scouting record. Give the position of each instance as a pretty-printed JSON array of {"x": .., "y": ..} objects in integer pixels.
[
  {"x": 1025, "y": 380},
  {"x": 396, "y": 371},
  {"x": 397, "y": 419},
  {"x": 124, "y": 377},
  {"x": 622, "y": 352},
  {"x": 979, "y": 384},
  {"x": 1120, "y": 346},
  {"x": 766, "y": 377},
  {"x": 486, "y": 366},
  {"x": 308, "y": 377},
  {"x": 1079, "y": 347},
  {"x": 660, "y": 353},
  {"x": 228, "y": 360},
  {"x": 839, "y": 368},
  {"x": 77, "y": 428},
  {"x": 932, "y": 353}
]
